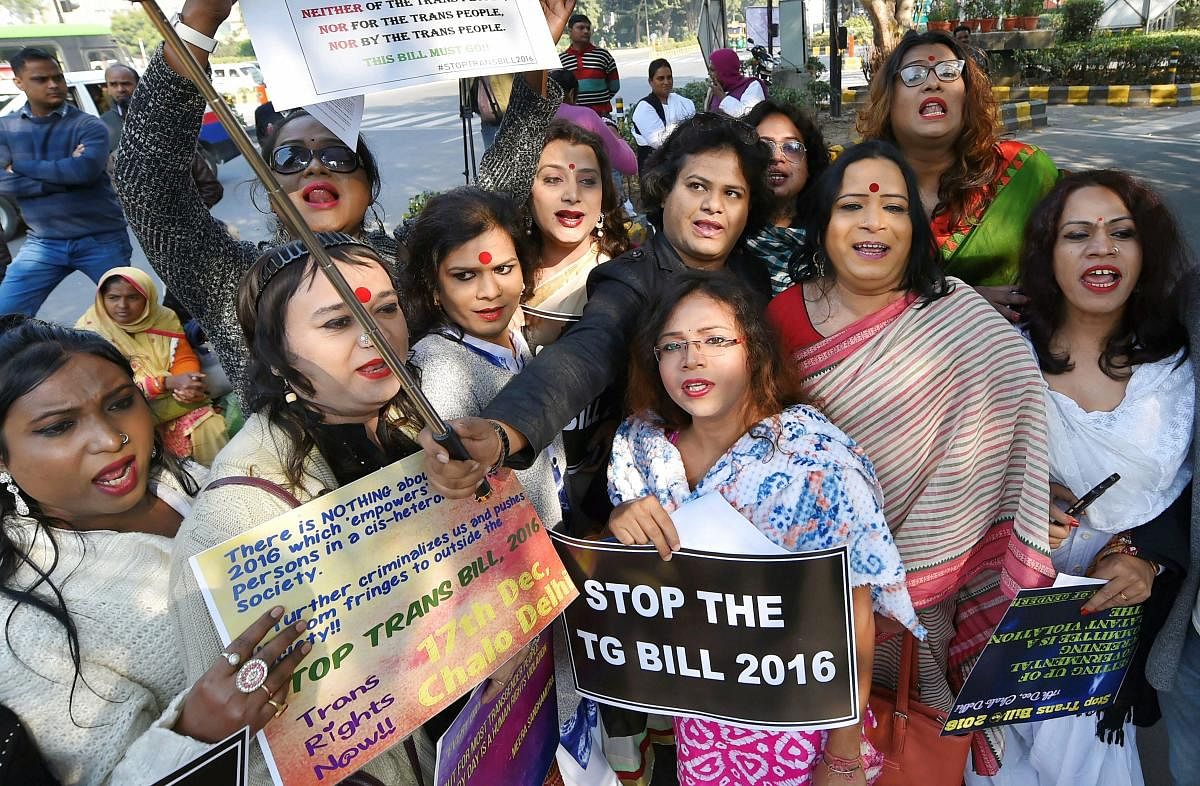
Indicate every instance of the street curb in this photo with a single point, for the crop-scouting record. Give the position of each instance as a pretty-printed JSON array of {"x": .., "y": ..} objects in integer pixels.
[
  {"x": 1014, "y": 115},
  {"x": 1023, "y": 115},
  {"x": 1104, "y": 95}
]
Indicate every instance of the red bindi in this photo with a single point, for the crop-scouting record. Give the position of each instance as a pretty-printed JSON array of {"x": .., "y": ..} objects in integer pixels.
[
  {"x": 570, "y": 166},
  {"x": 932, "y": 58},
  {"x": 484, "y": 257},
  {"x": 874, "y": 187},
  {"x": 363, "y": 294}
]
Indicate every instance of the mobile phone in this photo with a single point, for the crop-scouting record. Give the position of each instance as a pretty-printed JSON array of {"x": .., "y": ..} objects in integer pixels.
[{"x": 1087, "y": 499}]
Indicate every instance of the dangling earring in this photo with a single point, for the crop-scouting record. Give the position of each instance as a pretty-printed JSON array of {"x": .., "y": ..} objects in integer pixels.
[
  {"x": 154, "y": 452},
  {"x": 18, "y": 500},
  {"x": 600, "y": 227},
  {"x": 821, "y": 261},
  {"x": 528, "y": 220},
  {"x": 289, "y": 395}
]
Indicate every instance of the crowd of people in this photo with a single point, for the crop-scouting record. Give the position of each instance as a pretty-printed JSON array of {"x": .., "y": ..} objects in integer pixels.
[{"x": 925, "y": 350}]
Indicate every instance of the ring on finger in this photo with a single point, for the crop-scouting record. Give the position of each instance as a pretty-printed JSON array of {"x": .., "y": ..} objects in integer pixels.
[
  {"x": 251, "y": 676},
  {"x": 1123, "y": 596},
  {"x": 279, "y": 708},
  {"x": 232, "y": 658},
  {"x": 268, "y": 691}
]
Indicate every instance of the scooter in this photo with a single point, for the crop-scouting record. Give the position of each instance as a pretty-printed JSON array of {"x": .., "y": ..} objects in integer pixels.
[{"x": 762, "y": 63}]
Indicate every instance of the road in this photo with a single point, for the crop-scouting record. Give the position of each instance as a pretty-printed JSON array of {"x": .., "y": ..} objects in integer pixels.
[{"x": 417, "y": 135}]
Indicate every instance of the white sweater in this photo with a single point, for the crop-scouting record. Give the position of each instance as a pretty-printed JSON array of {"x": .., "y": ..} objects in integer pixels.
[{"x": 115, "y": 587}]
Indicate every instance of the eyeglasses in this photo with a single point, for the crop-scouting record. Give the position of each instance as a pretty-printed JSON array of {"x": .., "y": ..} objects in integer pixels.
[
  {"x": 709, "y": 347},
  {"x": 290, "y": 159},
  {"x": 792, "y": 151},
  {"x": 947, "y": 71}
]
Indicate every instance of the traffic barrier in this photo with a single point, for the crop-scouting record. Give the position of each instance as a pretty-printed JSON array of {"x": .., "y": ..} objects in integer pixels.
[{"x": 1103, "y": 95}]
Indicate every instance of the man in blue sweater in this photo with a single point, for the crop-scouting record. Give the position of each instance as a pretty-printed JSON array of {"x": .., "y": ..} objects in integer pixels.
[{"x": 54, "y": 163}]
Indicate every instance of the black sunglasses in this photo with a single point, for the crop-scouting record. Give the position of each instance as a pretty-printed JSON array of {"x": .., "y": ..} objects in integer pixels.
[{"x": 290, "y": 159}]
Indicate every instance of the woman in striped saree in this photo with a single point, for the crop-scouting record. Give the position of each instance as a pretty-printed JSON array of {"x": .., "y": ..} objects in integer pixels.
[{"x": 945, "y": 399}]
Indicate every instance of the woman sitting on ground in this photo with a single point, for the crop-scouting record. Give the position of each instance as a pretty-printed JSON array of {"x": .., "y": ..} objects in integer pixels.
[
  {"x": 127, "y": 313},
  {"x": 91, "y": 503}
]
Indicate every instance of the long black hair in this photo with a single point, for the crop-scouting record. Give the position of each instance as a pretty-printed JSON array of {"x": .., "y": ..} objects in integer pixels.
[
  {"x": 1151, "y": 327},
  {"x": 263, "y": 297},
  {"x": 816, "y": 154},
  {"x": 447, "y": 222},
  {"x": 31, "y": 351},
  {"x": 923, "y": 273}
]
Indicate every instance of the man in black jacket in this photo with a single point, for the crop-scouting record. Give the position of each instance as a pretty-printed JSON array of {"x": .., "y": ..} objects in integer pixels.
[{"x": 705, "y": 189}]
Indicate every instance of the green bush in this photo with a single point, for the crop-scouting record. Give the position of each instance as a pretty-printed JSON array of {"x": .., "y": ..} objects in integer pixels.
[
  {"x": 1079, "y": 19},
  {"x": 695, "y": 91},
  {"x": 1129, "y": 59}
]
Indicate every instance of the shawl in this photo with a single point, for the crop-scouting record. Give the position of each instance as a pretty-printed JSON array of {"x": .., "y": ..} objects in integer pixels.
[
  {"x": 796, "y": 477},
  {"x": 558, "y": 299},
  {"x": 1086, "y": 447},
  {"x": 947, "y": 400},
  {"x": 728, "y": 70},
  {"x": 150, "y": 341},
  {"x": 984, "y": 248}
]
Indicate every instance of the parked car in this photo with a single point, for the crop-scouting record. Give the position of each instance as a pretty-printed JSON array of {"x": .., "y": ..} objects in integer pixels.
[{"x": 85, "y": 89}]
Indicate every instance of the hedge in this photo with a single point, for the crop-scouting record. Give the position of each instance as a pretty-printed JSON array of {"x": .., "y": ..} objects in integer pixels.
[{"x": 1128, "y": 59}]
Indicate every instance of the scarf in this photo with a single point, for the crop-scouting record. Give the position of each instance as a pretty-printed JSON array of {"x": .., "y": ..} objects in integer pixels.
[{"x": 149, "y": 341}]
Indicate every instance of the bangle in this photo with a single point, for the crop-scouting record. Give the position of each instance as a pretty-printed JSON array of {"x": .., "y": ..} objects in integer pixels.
[
  {"x": 1120, "y": 544},
  {"x": 844, "y": 768},
  {"x": 192, "y": 35},
  {"x": 501, "y": 435}
]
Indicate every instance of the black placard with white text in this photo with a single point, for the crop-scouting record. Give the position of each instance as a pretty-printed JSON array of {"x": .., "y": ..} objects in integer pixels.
[
  {"x": 760, "y": 641},
  {"x": 224, "y": 764}
]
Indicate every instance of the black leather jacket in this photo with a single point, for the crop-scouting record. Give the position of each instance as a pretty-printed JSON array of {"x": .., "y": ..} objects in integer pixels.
[{"x": 594, "y": 352}]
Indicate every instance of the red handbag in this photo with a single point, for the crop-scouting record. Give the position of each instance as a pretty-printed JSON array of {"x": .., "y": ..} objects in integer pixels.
[{"x": 908, "y": 733}]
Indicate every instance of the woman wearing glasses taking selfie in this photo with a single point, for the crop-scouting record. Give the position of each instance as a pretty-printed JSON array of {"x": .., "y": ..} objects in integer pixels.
[
  {"x": 798, "y": 157},
  {"x": 333, "y": 187},
  {"x": 932, "y": 101}
]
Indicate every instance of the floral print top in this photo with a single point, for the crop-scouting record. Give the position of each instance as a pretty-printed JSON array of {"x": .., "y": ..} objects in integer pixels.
[{"x": 796, "y": 477}]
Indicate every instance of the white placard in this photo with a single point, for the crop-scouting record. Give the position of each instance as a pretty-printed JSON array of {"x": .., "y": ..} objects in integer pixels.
[
  {"x": 313, "y": 51},
  {"x": 709, "y": 523},
  {"x": 342, "y": 116}
]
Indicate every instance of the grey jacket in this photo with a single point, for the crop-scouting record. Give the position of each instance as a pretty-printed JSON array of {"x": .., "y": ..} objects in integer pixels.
[{"x": 1164, "y": 657}]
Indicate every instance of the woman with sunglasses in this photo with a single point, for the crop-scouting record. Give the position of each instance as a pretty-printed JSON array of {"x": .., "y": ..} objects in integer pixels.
[
  {"x": 798, "y": 157},
  {"x": 932, "y": 101},
  {"x": 332, "y": 186}
]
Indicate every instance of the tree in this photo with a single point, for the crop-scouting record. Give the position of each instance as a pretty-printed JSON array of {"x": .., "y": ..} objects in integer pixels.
[
  {"x": 890, "y": 19},
  {"x": 132, "y": 29},
  {"x": 23, "y": 10}
]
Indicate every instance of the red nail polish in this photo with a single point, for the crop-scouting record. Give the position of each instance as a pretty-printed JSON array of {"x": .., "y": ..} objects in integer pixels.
[{"x": 1084, "y": 612}]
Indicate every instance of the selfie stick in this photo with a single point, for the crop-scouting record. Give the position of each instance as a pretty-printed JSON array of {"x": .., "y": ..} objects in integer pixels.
[{"x": 293, "y": 222}]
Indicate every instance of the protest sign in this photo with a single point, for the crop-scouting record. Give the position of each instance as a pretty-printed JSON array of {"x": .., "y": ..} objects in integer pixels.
[
  {"x": 312, "y": 51},
  {"x": 224, "y": 764},
  {"x": 411, "y": 600},
  {"x": 765, "y": 641},
  {"x": 1046, "y": 660},
  {"x": 510, "y": 739}
]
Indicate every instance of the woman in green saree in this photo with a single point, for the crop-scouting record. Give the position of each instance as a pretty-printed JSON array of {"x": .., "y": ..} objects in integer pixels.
[{"x": 936, "y": 105}]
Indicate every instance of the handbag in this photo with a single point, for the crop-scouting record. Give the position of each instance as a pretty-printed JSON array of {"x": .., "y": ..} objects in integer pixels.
[{"x": 908, "y": 733}]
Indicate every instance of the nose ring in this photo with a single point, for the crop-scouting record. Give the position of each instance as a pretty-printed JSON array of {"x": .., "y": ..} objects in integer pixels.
[
  {"x": 1116, "y": 250},
  {"x": 365, "y": 341},
  {"x": 124, "y": 438}
]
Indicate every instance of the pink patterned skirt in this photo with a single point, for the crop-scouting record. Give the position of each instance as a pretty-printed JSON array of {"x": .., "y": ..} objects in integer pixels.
[{"x": 714, "y": 754}]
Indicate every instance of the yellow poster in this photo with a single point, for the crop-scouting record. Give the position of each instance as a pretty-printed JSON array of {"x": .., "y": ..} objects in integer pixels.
[{"x": 411, "y": 600}]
